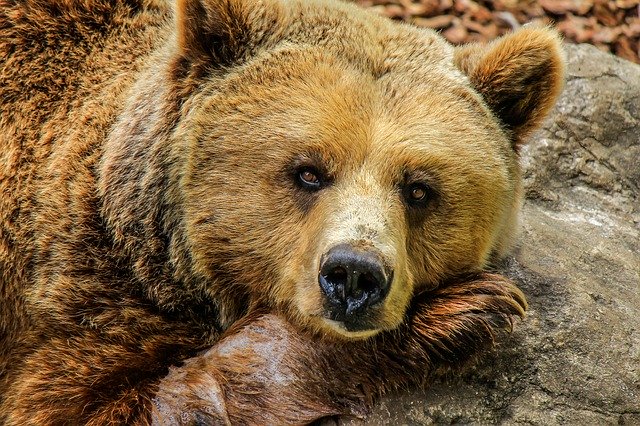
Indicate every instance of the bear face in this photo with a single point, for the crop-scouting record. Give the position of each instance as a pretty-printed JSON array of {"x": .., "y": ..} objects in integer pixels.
[
  {"x": 414, "y": 179},
  {"x": 366, "y": 160}
]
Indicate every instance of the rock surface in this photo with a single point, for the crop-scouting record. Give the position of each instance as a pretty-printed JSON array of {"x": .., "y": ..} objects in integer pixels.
[{"x": 575, "y": 359}]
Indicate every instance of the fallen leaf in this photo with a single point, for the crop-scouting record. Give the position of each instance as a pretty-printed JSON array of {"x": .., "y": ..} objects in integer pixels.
[
  {"x": 560, "y": 7},
  {"x": 436, "y": 22},
  {"x": 456, "y": 34}
]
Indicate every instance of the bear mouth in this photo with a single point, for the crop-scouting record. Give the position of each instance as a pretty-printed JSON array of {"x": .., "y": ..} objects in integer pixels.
[
  {"x": 351, "y": 330},
  {"x": 363, "y": 323}
]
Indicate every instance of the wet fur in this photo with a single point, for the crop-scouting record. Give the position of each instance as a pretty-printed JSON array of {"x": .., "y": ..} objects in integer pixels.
[{"x": 107, "y": 277}]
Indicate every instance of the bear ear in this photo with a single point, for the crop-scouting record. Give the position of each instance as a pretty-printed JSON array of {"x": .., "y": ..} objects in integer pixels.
[
  {"x": 519, "y": 75},
  {"x": 223, "y": 32}
]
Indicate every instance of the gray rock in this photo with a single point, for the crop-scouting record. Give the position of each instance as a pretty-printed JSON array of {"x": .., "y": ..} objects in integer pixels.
[{"x": 575, "y": 359}]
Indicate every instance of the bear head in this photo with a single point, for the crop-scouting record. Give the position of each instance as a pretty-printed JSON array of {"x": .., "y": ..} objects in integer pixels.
[{"x": 333, "y": 163}]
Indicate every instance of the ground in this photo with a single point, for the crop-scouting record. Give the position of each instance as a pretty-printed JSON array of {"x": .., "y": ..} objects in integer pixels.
[{"x": 612, "y": 26}]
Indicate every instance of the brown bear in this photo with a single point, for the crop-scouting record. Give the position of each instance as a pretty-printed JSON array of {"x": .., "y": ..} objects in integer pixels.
[{"x": 250, "y": 212}]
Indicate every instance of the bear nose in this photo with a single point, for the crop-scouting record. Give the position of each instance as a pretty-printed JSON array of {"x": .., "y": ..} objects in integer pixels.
[{"x": 353, "y": 279}]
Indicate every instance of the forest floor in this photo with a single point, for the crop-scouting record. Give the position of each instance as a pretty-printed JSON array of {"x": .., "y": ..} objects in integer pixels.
[{"x": 611, "y": 25}]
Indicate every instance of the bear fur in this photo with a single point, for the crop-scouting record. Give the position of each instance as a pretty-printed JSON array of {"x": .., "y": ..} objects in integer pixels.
[{"x": 158, "y": 258}]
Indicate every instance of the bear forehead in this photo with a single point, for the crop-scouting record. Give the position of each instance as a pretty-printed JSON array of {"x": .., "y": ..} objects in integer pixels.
[
  {"x": 313, "y": 97},
  {"x": 359, "y": 34},
  {"x": 348, "y": 84},
  {"x": 375, "y": 45},
  {"x": 361, "y": 39}
]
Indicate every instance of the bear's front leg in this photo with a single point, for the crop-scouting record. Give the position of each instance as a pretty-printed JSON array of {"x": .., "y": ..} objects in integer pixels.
[
  {"x": 266, "y": 371},
  {"x": 447, "y": 328}
]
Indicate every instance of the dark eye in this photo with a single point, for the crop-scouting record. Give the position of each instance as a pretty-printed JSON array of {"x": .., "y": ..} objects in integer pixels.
[
  {"x": 309, "y": 178},
  {"x": 417, "y": 194}
]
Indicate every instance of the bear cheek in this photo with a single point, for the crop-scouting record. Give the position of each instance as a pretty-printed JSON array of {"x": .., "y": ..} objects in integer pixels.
[
  {"x": 299, "y": 291},
  {"x": 465, "y": 229}
]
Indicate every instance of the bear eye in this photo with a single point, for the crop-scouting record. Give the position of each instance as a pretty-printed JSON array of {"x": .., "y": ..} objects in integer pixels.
[
  {"x": 309, "y": 178},
  {"x": 417, "y": 194}
]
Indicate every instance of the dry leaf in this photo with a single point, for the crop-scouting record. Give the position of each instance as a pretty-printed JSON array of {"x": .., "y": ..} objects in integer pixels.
[{"x": 560, "y": 7}]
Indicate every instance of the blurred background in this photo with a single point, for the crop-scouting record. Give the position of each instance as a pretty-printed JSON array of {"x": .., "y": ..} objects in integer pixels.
[{"x": 612, "y": 26}]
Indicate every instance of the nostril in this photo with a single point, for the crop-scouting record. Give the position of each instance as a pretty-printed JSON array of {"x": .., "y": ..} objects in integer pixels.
[
  {"x": 337, "y": 276},
  {"x": 367, "y": 283},
  {"x": 334, "y": 281}
]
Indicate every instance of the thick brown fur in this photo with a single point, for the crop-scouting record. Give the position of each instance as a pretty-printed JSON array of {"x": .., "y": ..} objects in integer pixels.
[{"x": 148, "y": 211}]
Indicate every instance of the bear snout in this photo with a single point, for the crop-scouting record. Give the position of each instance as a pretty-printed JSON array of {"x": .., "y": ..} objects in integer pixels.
[{"x": 353, "y": 280}]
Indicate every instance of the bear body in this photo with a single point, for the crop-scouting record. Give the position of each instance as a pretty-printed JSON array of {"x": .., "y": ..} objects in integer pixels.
[{"x": 205, "y": 204}]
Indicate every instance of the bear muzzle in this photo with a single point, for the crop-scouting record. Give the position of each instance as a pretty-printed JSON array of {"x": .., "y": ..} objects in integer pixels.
[{"x": 355, "y": 281}]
